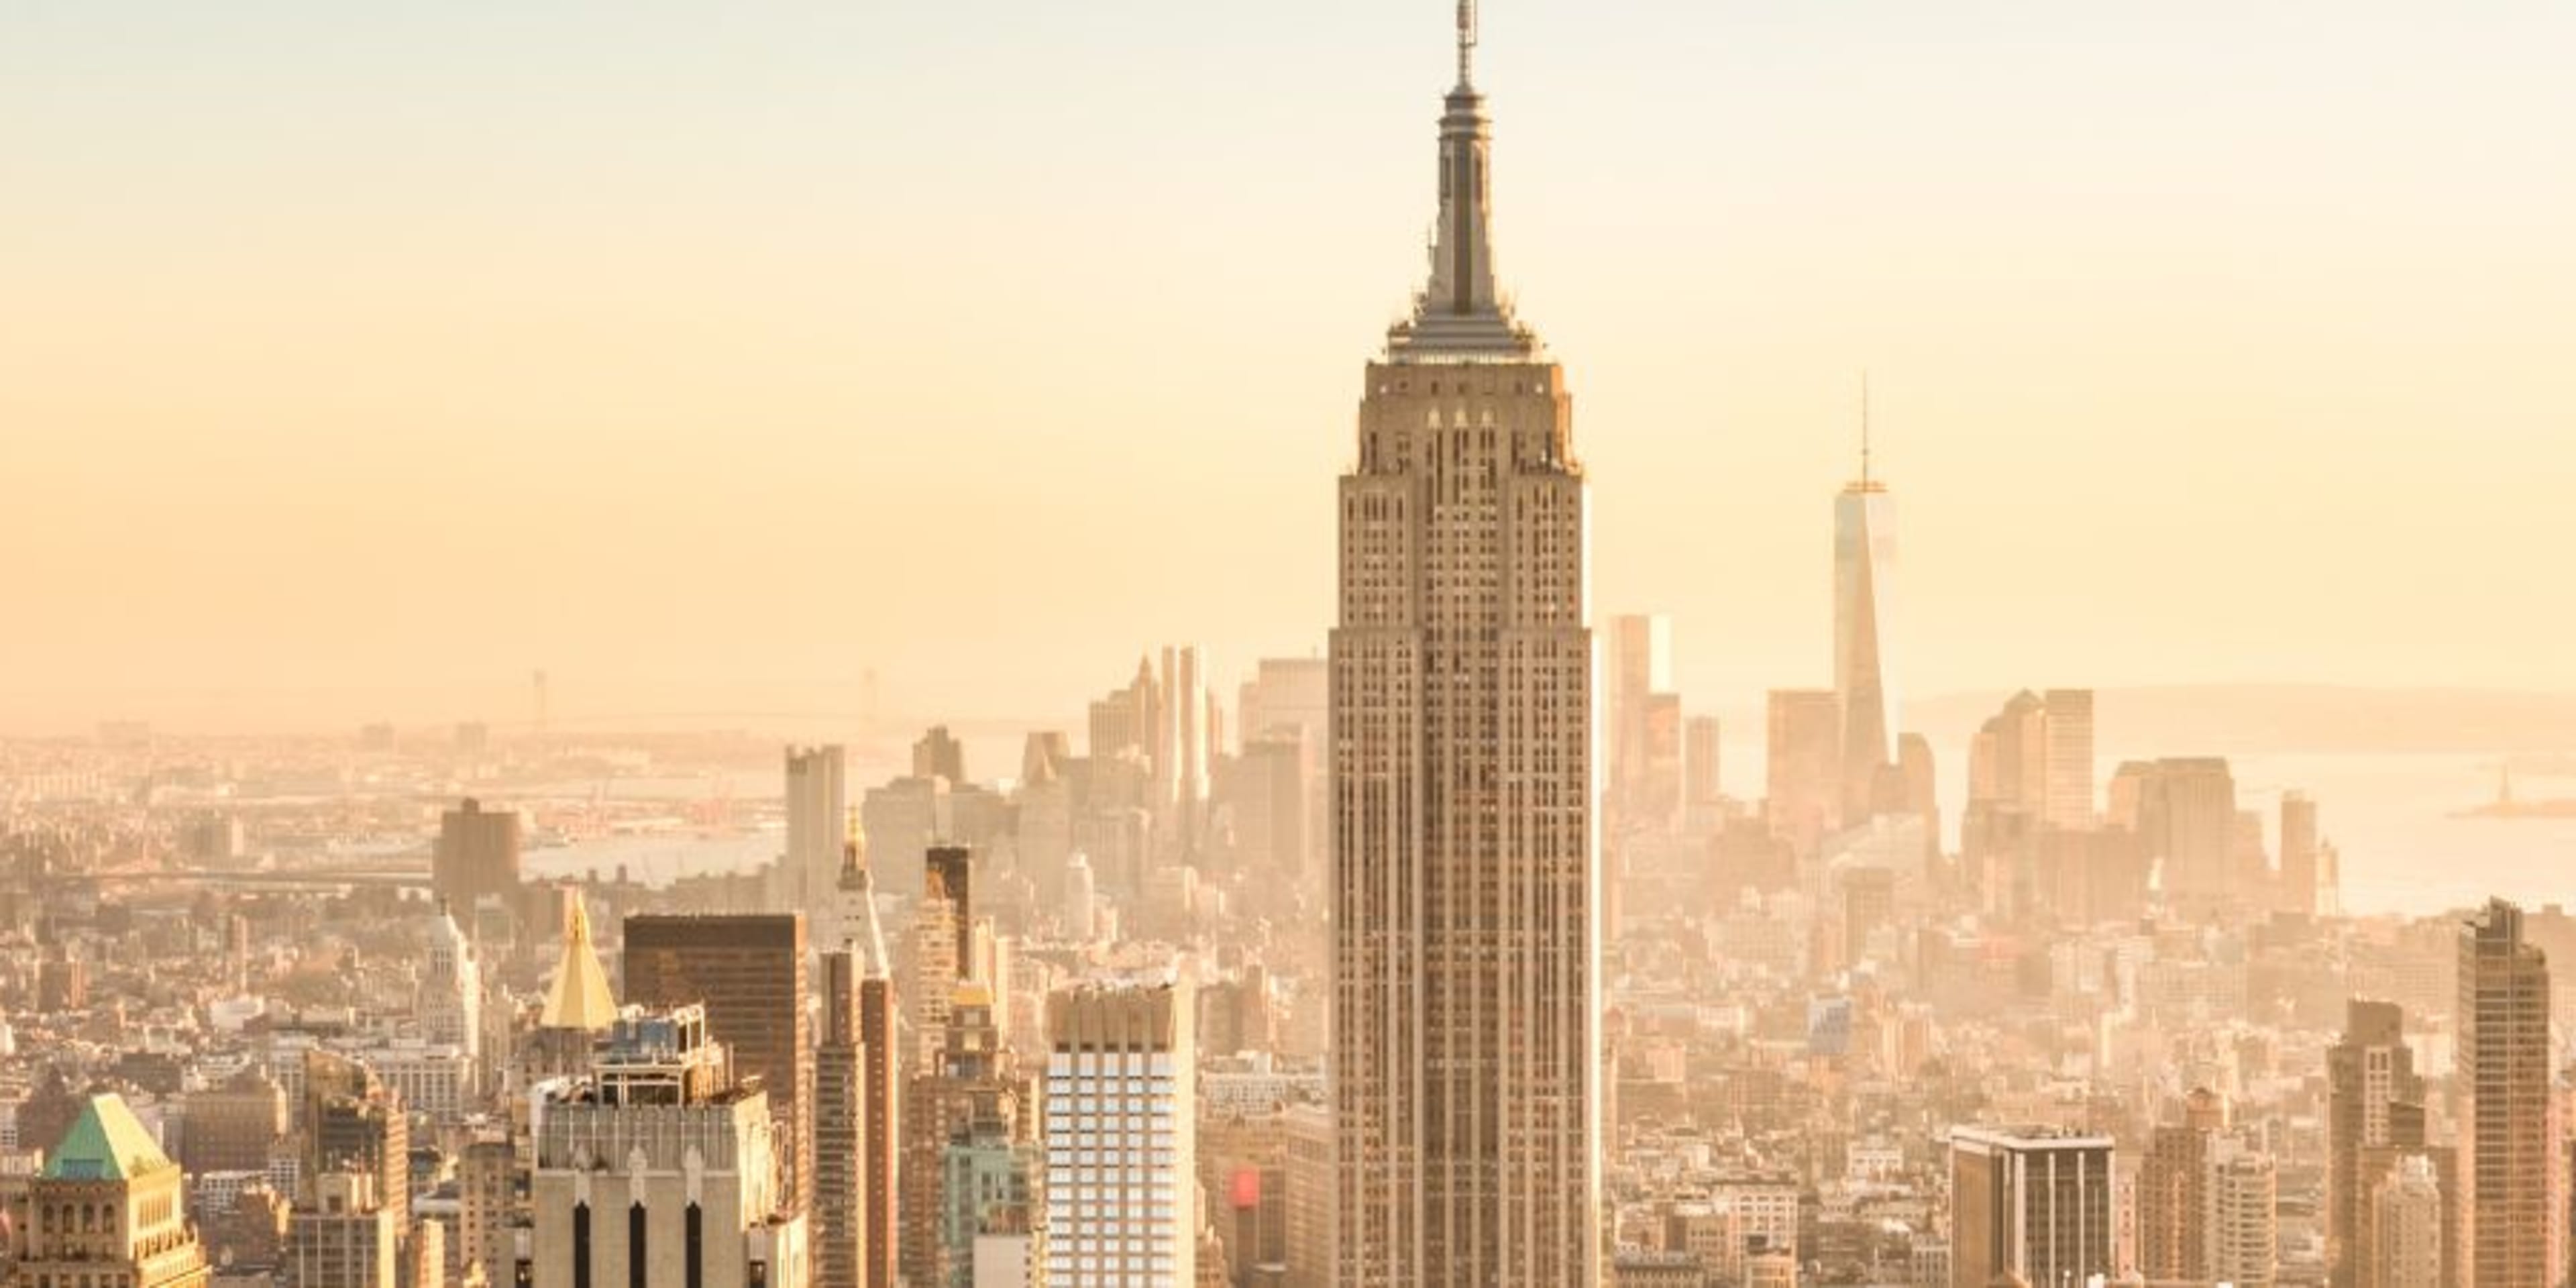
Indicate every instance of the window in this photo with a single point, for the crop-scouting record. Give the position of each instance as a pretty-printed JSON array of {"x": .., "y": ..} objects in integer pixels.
[
  {"x": 695, "y": 1241},
  {"x": 635, "y": 1246},
  {"x": 580, "y": 1245}
]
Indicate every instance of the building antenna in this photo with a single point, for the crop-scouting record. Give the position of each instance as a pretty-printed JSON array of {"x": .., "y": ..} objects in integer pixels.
[
  {"x": 1466, "y": 43},
  {"x": 1864, "y": 429}
]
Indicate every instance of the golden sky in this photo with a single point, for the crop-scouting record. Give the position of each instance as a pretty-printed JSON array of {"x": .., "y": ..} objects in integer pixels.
[{"x": 354, "y": 363}]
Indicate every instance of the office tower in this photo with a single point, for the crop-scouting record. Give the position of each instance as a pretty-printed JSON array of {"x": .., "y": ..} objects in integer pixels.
[
  {"x": 1802, "y": 769},
  {"x": 427, "y": 1264},
  {"x": 490, "y": 1195},
  {"x": 1703, "y": 755},
  {"x": 818, "y": 797},
  {"x": 851, "y": 923},
  {"x": 1640, "y": 670},
  {"x": 1293, "y": 697},
  {"x": 476, "y": 857},
  {"x": 232, "y": 1127},
  {"x": 1864, "y": 695},
  {"x": 2186, "y": 821},
  {"x": 1467, "y": 1008},
  {"x": 661, "y": 1170},
  {"x": 2033, "y": 1203},
  {"x": 2406, "y": 1223},
  {"x": 1121, "y": 1103},
  {"x": 2509, "y": 1149},
  {"x": 1080, "y": 918},
  {"x": 1043, "y": 809},
  {"x": 949, "y": 876},
  {"x": 1183, "y": 751},
  {"x": 1266, "y": 795},
  {"x": 2242, "y": 1243},
  {"x": 938, "y": 754},
  {"x": 345, "y": 1238},
  {"x": 2173, "y": 1191},
  {"x": 858, "y": 1089},
  {"x": 107, "y": 1209},
  {"x": 840, "y": 1130},
  {"x": 1123, "y": 723},
  {"x": 2301, "y": 887},
  {"x": 352, "y": 1122},
  {"x": 973, "y": 1098},
  {"x": 750, "y": 973},
  {"x": 450, "y": 1000},
  {"x": 2374, "y": 1115},
  {"x": 2070, "y": 804}
]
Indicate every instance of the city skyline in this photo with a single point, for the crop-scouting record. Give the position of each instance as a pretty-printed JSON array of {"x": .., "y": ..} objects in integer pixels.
[
  {"x": 1853, "y": 207},
  {"x": 1061, "y": 896}
]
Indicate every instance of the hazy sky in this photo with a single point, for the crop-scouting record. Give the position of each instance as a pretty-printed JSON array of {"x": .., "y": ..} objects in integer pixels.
[{"x": 357, "y": 358}]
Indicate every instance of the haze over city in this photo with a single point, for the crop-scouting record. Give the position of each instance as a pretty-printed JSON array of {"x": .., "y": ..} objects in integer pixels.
[
  {"x": 821, "y": 646},
  {"x": 2209, "y": 344}
]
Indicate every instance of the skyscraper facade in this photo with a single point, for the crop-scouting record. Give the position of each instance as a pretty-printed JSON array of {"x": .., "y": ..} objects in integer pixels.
[
  {"x": 1864, "y": 561},
  {"x": 1466, "y": 1028},
  {"x": 2509, "y": 1145},
  {"x": 2036, "y": 1204},
  {"x": 818, "y": 796},
  {"x": 2374, "y": 1120},
  {"x": 1121, "y": 1100},
  {"x": 107, "y": 1208},
  {"x": 657, "y": 1171},
  {"x": 750, "y": 973},
  {"x": 476, "y": 856}
]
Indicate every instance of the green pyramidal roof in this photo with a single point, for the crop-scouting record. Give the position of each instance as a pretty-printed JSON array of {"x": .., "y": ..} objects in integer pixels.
[{"x": 106, "y": 1143}]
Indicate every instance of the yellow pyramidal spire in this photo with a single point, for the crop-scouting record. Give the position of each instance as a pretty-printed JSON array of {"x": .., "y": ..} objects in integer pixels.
[{"x": 579, "y": 998}]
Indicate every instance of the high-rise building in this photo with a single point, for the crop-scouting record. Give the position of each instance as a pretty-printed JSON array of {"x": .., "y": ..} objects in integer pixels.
[
  {"x": 2034, "y": 1203},
  {"x": 973, "y": 1099},
  {"x": 1121, "y": 1102},
  {"x": 2374, "y": 1117},
  {"x": 450, "y": 998},
  {"x": 659, "y": 1170},
  {"x": 491, "y": 1199},
  {"x": 1703, "y": 787},
  {"x": 1802, "y": 769},
  {"x": 234, "y": 1126},
  {"x": 107, "y": 1209},
  {"x": 346, "y": 1237},
  {"x": 2241, "y": 1245},
  {"x": 2406, "y": 1223},
  {"x": 818, "y": 797},
  {"x": 1864, "y": 695},
  {"x": 938, "y": 754},
  {"x": 2173, "y": 1196},
  {"x": 2509, "y": 1145},
  {"x": 351, "y": 1121},
  {"x": 2186, "y": 822},
  {"x": 750, "y": 973},
  {"x": 476, "y": 857},
  {"x": 2070, "y": 803},
  {"x": 1292, "y": 697},
  {"x": 856, "y": 1089},
  {"x": 2302, "y": 886},
  {"x": 841, "y": 1145},
  {"x": 1466, "y": 1014},
  {"x": 1640, "y": 670}
]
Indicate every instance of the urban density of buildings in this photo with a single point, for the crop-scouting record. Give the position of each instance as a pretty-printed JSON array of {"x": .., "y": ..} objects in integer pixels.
[{"x": 1445, "y": 950}]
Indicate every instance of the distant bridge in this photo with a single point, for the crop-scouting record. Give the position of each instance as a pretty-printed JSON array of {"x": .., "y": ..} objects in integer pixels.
[{"x": 396, "y": 876}]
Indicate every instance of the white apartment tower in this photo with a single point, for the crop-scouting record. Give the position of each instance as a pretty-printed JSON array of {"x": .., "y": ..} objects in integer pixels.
[
  {"x": 1121, "y": 1102},
  {"x": 1466, "y": 1035}
]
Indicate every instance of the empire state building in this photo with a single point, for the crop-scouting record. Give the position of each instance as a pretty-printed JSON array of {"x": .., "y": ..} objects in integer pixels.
[{"x": 1466, "y": 971}]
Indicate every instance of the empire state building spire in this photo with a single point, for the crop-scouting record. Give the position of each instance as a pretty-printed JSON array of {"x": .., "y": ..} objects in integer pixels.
[{"x": 1461, "y": 314}]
